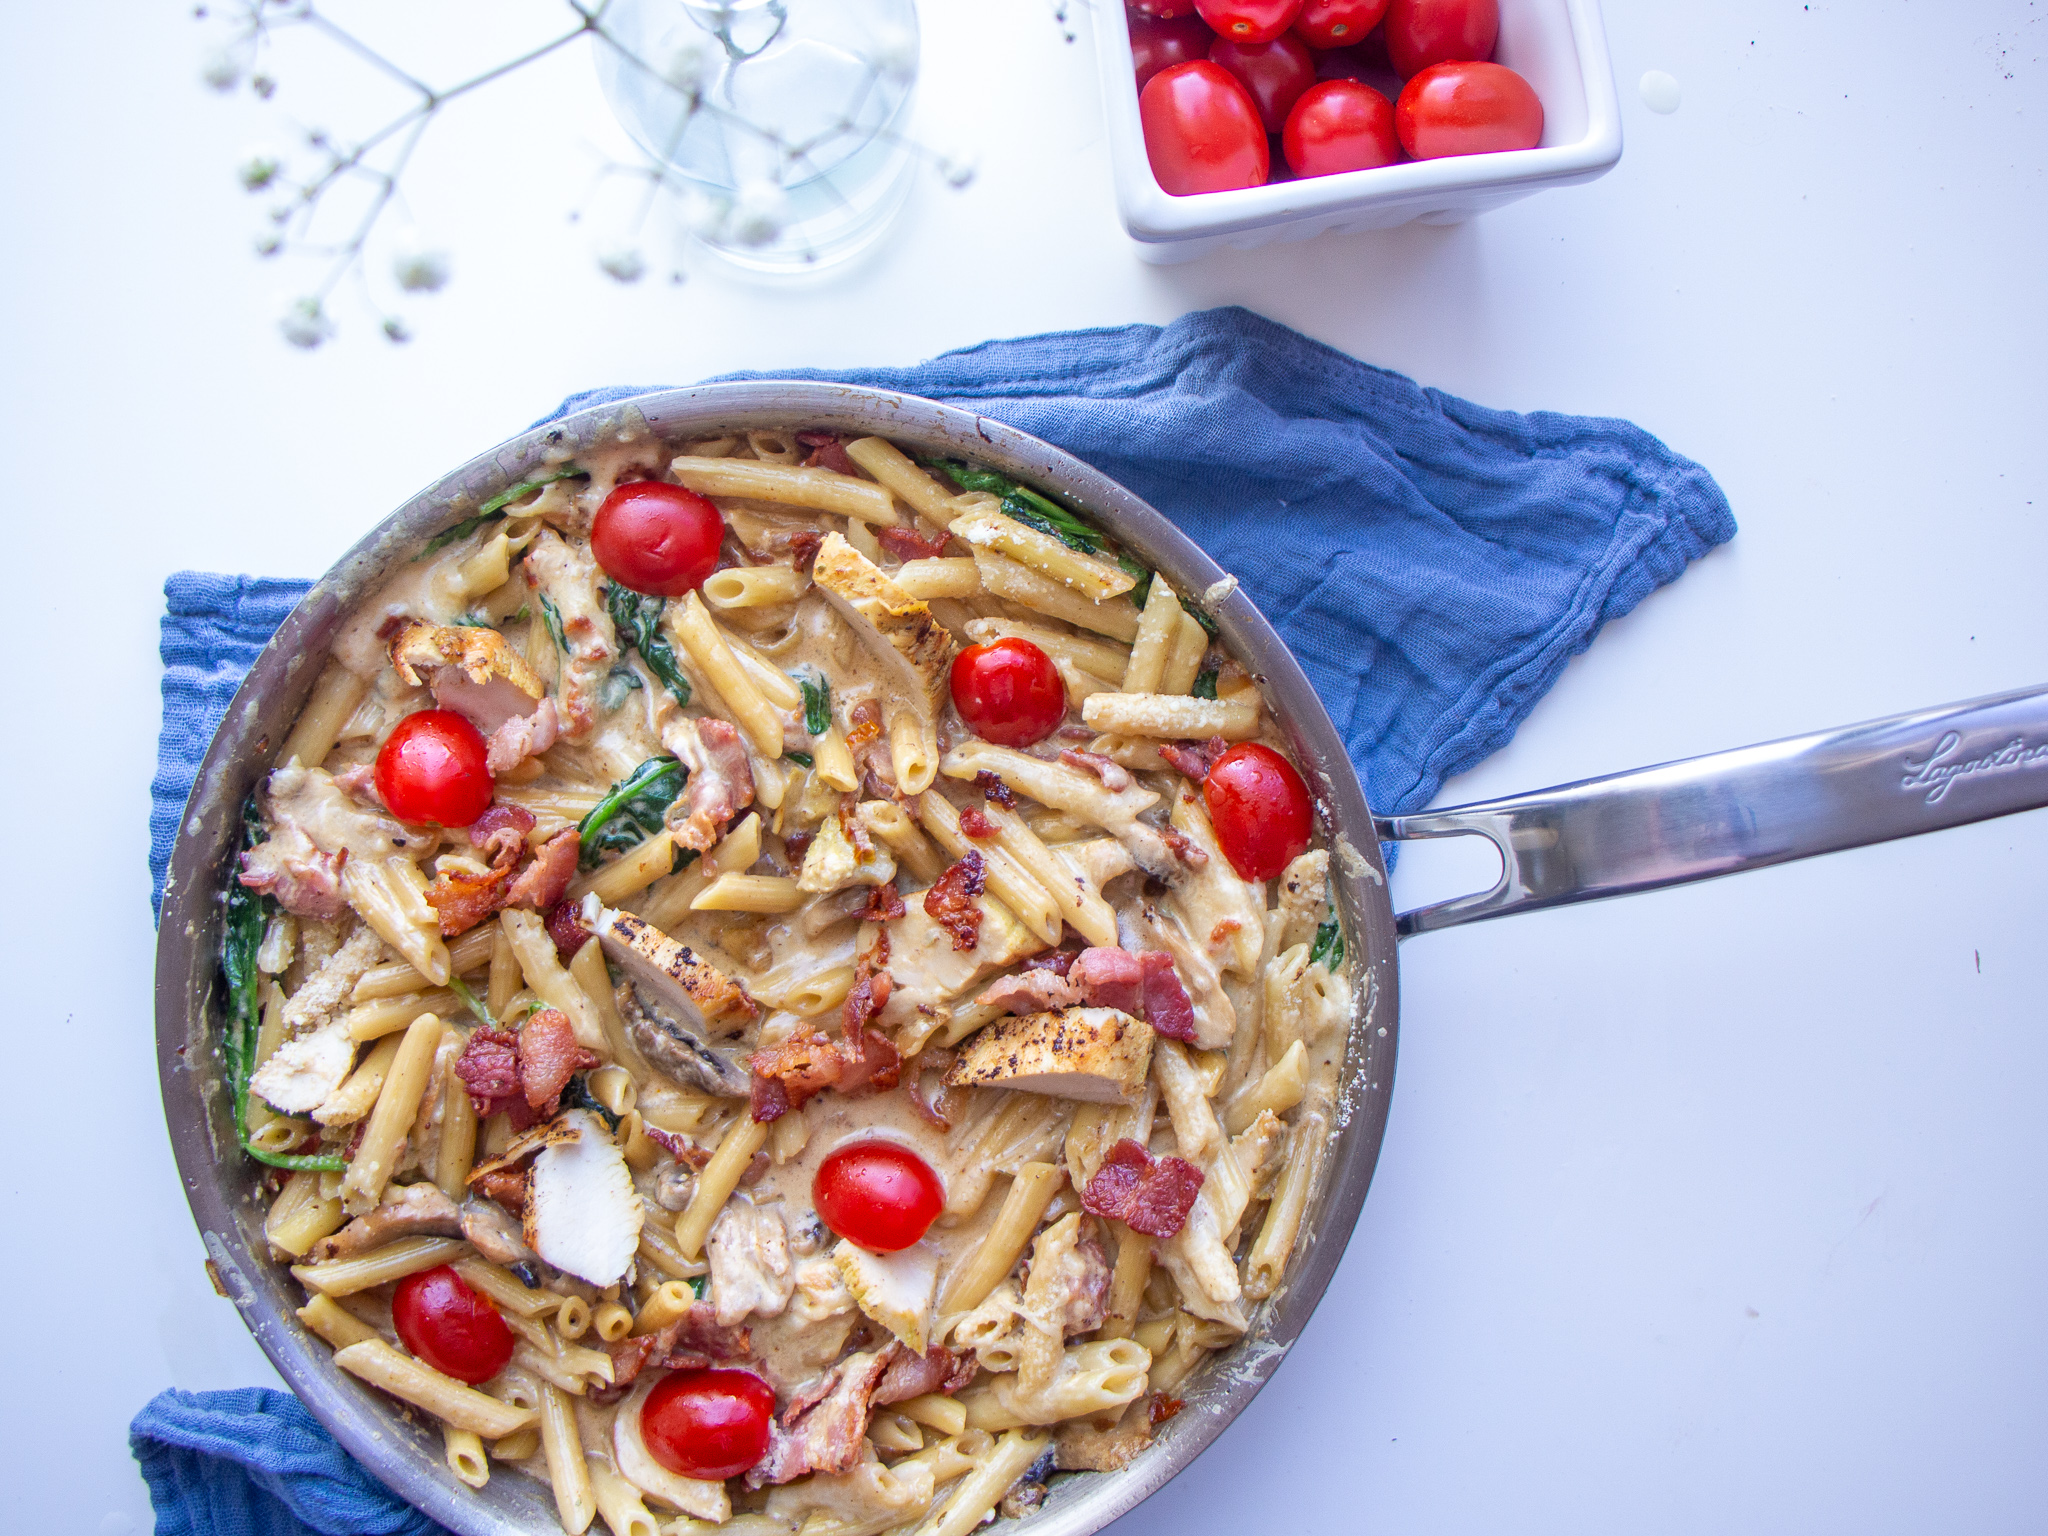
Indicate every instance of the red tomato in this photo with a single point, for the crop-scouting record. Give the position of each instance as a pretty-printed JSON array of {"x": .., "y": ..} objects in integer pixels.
[
  {"x": 432, "y": 768},
  {"x": 1249, "y": 21},
  {"x": 1340, "y": 125},
  {"x": 1338, "y": 23},
  {"x": 451, "y": 1327},
  {"x": 1467, "y": 109},
  {"x": 877, "y": 1195},
  {"x": 1158, "y": 10},
  {"x": 1275, "y": 74},
  {"x": 1260, "y": 809},
  {"x": 657, "y": 538},
  {"x": 707, "y": 1424},
  {"x": 1009, "y": 691},
  {"x": 1425, "y": 32},
  {"x": 1202, "y": 132},
  {"x": 1157, "y": 44}
]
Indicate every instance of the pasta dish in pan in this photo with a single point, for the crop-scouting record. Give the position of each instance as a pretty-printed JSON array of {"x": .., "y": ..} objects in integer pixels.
[{"x": 782, "y": 987}]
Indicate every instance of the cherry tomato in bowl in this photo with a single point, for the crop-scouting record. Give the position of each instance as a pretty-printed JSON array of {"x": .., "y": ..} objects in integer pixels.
[
  {"x": 1249, "y": 21},
  {"x": 1463, "y": 108},
  {"x": 1337, "y": 23},
  {"x": 1420, "y": 33},
  {"x": 877, "y": 1195},
  {"x": 1009, "y": 691},
  {"x": 657, "y": 538},
  {"x": 1156, "y": 45},
  {"x": 707, "y": 1424},
  {"x": 451, "y": 1327},
  {"x": 433, "y": 769},
  {"x": 1340, "y": 125},
  {"x": 1202, "y": 131},
  {"x": 1260, "y": 809},
  {"x": 1273, "y": 74}
]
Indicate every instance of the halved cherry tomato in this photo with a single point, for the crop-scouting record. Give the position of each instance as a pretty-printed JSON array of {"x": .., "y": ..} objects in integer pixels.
[
  {"x": 454, "y": 1329},
  {"x": 1260, "y": 809},
  {"x": 1157, "y": 44},
  {"x": 1425, "y": 32},
  {"x": 1249, "y": 21},
  {"x": 1274, "y": 74},
  {"x": 657, "y": 538},
  {"x": 1467, "y": 109},
  {"x": 1338, "y": 23},
  {"x": 433, "y": 768},
  {"x": 1340, "y": 125},
  {"x": 707, "y": 1424},
  {"x": 1009, "y": 691},
  {"x": 1202, "y": 131},
  {"x": 877, "y": 1195}
]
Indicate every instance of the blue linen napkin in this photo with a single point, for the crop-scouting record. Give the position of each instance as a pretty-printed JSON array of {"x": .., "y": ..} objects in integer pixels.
[{"x": 1433, "y": 564}]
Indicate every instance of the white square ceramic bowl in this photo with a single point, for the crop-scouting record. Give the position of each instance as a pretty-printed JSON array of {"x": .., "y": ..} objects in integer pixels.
[{"x": 1558, "y": 46}]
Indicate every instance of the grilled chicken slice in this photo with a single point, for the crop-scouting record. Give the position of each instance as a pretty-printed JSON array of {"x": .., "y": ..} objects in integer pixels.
[
  {"x": 1097, "y": 1054},
  {"x": 582, "y": 1213},
  {"x": 913, "y": 647}
]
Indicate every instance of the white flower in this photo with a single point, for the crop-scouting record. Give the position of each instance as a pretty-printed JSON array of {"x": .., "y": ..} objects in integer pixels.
[
  {"x": 259, "y": 168},
  {"x": 694, "y": 65},
  {"x": 757, "y": 215},
  {"x": 624, "y": 263},
  {"x": 304, "y": 323},
  {"x": 268, "y": 244},
  {"x": 221, "y": 70},
  {"x": 420, "y": 269},
  {"x": 396, "y": 330},
  {"x": 893, "y": 55}
]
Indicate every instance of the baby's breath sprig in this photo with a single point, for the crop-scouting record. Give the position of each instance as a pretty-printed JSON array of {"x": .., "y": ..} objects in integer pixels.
[{"x": 753, "y": 216}]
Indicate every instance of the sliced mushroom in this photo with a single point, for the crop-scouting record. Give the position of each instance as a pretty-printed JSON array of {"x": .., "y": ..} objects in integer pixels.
[
  {"x": 680, "y": 1052},
  {"x": 414, "y": 1210},
  {"x": 494, "y": 1233}
]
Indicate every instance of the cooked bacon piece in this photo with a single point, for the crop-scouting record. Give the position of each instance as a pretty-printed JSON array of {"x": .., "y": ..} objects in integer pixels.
[
  {"x": 1162, "y": 1408},
  {"x": 951, "y": 901},
  {"x": 1030, "y": 991},
  {"x": 795, "y": 845},
  {"x": 489, "y": 1068},
  {"x": 909, "y": 544},
  {"x": 462, "y": 900},
  {"x": 913, "y": 1375},
  {"x": 823, "y": 1427},
  {"x": 885, "y": 903},
  {"x": 803, "y": 548},
  {"x": 305, "y": 881},
  {"x": 1109, "y": 978},
  {"x": 567, "y": 930},
  {"x": 545, "y": 880},
  {"x": 681, "y": 1148},
  {"x": 1113, "y": 774},
  {"x": 828, "y": 451},
  {"x": 975, "y": 824},
  {"x": 808, "y": 1064},
  {"x": 721, "y": 784},
  {"x": 1167, "y": 1008},
  {"x": 1147, "y": 1196},
  {"x": 504, "y": 1187},
  {"x": 502, "y": 826},
  {"x": 360, "y": 783},
  {"x": 1058, "y": 961},
  {"x": 548, "y": 1057},
  {"x": 1194, "y": 758},
  {"x": 868, "y": 995},
  {"x": 523, "y": 736},
  {"x": 993, "y": 788},
  {"x": 864, "y": 724},
  {"x": 1183, "y": 848},
  {"x": 693, "y": 1340}
]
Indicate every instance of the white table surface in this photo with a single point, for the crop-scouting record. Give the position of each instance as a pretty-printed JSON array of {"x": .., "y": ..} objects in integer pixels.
[{"x": 1714, "y": 1209}]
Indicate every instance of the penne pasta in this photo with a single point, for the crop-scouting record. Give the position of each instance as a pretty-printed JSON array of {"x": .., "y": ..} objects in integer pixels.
[
  {"x": 1031, "y": 1191},
  {"x": 1094, "y": 579},
  {"x": 754, "y": 586},
  {"x": 1007, "y": 880},
  {"x": 1172, "y": 717},
  {"x": 721, "y": 1176},
  {"x": 1116, "y": 617},
  {"x": 823, "y": 490},
  {"x": 424, "y": 1387},
  {"x": 918, "y": 490},
  {"x": 750, "y": 893},
  {"x": 336, "y": 693},
  {"x": 957, "y": 576}
]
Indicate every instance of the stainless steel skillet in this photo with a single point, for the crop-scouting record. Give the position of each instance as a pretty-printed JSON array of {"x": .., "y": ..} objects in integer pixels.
[{"x": 1659, "y": 826}]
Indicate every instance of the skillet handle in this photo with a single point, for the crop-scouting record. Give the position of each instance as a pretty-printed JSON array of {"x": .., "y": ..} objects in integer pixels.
[{"x": 1730, "y": 811}]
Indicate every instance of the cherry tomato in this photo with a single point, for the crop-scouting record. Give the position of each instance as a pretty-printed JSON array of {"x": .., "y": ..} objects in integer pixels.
[
  {"x": 1338, "y": 23},
  {"x": 877, "y": 1195},
  {"x": 1340, "y": 125},
  {"x": 1157, "y": 44},
  {"x": 1249, "y": 21},
  {"x": 1260, "y": 809},
  {"x": 1202, "y": 132},
  {"x": 1425, "y": 32},
  {"x": 1274, "y": 74},
  {"x": 432, "y": 768},
  {"x": 707, "y": 1424},
  {"x": 657, "y": 538},
  {"x": 451, "y": 1327},
  {"x": 1009, "y": 691},
  {"x": 1467, "y": 109}
]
